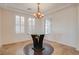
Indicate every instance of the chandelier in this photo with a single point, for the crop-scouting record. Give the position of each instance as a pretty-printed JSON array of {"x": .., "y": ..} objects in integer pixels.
[{"x": 38, "y": 14}]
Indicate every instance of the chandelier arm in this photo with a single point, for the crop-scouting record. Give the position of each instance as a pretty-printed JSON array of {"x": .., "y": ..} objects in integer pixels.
[{"x": 38, "y": 7}]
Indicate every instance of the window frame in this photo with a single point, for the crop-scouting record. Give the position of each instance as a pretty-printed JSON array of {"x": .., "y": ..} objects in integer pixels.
[{"x": 20, "y": 24}]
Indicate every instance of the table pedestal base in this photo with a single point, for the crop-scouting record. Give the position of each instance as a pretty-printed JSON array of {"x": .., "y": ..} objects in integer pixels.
[
  {"x": 48, "y": 50},
  {"x": 37, "y": 42}
]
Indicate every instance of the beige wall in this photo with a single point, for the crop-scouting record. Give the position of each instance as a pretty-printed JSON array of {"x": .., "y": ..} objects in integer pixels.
[
  {"x": 77, "y": 15},
  {"x": 8, "y": 27},
  {"x": 0, "y": 28},
  {"x": 64, "y": 23}
]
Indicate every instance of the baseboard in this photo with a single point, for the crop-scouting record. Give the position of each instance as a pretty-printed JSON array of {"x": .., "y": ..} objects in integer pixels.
[
  {"x": 0, "y": 46},
  {"x": 77, "y": 49},
  {"x": 15, "y": 42},
  {"x": 65, "y": 44}
]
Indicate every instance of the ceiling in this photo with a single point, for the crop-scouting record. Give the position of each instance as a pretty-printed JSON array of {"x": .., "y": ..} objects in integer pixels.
[{"x": 32, "y": 7}]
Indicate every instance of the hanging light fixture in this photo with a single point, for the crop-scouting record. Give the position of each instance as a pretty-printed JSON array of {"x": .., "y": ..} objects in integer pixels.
[{"x": 38, "y": 14}]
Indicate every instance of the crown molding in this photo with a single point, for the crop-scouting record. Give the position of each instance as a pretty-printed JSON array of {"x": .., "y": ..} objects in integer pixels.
[
  {"x": 16, "y": 10},
  {"x": 59, "y": 8},
  {"x": 48, "y": 12}
]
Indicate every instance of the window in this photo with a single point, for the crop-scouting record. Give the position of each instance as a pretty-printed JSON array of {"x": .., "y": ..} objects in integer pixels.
[
  {"x": 39, "y": 26},
  {"x": 19, "y": 24},
  {"x": 31, "y": 24},
  {"x": 47, "y": 26}
]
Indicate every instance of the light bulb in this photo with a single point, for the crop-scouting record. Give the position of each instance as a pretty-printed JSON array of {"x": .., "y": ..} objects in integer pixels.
[
  {"x": 34, "y": 14},
  {"x": 39, "y": 13},
  {"x": 42, "y": 14}
]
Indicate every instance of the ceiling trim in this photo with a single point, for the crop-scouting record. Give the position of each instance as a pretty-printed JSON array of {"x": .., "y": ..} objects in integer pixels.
[
  {"x": 16, "y": 10},
  {"x": 51, "y": 11},
  {"x": 30, "y": 13}
]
